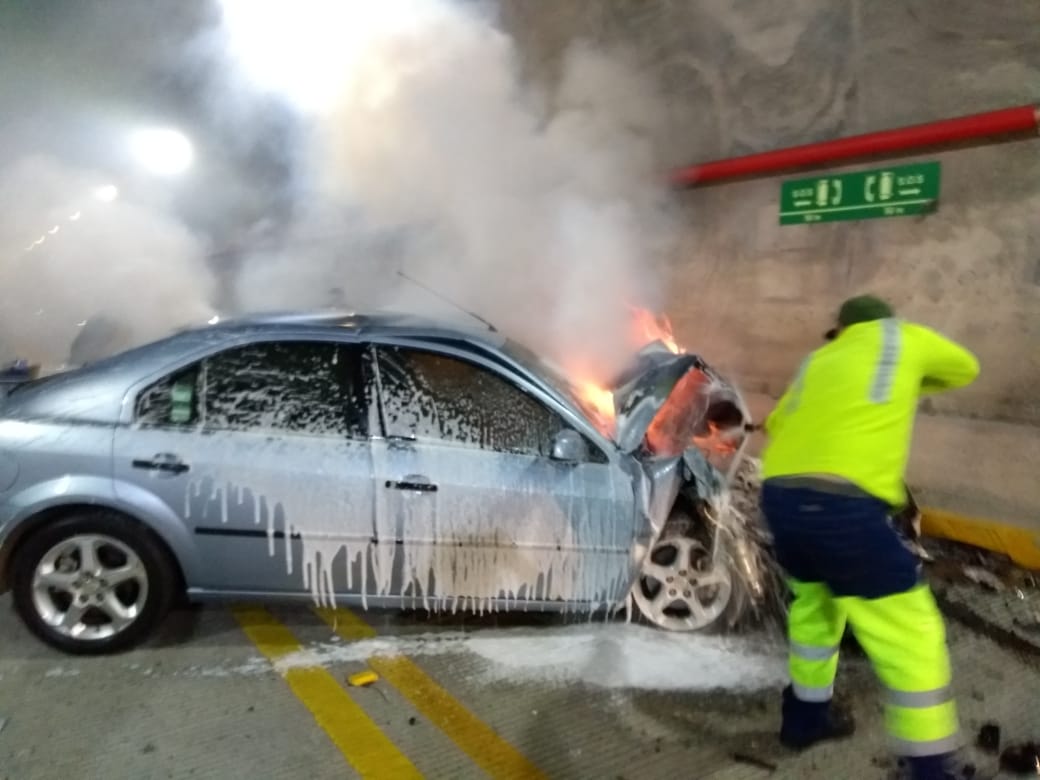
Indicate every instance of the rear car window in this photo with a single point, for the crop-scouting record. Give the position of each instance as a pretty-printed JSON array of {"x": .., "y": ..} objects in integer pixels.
[
  {"x": 172, "y": 400},
  {"x": 427, "y": 396}
]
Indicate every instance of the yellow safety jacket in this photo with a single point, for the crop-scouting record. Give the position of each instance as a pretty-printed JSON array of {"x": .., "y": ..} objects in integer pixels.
[{"x": 850, "y": 410}]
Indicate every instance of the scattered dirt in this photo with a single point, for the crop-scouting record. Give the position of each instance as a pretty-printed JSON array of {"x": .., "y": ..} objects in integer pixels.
[
  {"x": 743, "y": 758},
  {"x": 957, "y": 563},
  {"x": 1022, "y": 759},
  {"x": 989, "y": 738}
]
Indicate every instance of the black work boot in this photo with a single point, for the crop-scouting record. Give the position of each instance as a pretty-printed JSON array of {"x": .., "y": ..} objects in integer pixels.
[
  {"x": 807, "y": 722},
  {"x": 939, "y": 767}
]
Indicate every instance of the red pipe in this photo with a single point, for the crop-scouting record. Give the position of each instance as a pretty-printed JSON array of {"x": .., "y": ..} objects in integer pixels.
[{"x": 992, "y": 123}]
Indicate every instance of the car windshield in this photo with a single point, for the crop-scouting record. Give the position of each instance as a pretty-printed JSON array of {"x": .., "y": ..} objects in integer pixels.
[{"x": 551, "y": 374}]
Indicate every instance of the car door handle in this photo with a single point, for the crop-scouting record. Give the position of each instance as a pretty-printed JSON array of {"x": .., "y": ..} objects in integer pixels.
[
  {"x": 164, "y": 462},
  {"x": 413, "y": 482}
]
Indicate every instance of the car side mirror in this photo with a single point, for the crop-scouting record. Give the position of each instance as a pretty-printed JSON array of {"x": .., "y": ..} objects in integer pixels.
[{"x": 569, "y": 447}]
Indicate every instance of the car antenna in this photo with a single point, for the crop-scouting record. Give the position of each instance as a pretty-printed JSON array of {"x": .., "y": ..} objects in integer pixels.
[{"x": 447, "y": 300}]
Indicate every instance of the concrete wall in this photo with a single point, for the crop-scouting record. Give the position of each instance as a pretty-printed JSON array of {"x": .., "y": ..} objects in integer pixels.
[
  {"x": 740, "y": 76},
  {"x": 754, "y": 75}
]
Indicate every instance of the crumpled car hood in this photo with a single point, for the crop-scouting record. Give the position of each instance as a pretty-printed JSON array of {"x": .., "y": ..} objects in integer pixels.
[{"x": 641, "y": 400}]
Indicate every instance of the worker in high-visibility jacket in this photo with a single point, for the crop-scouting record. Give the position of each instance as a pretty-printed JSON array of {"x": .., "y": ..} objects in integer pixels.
[{"x": 833, "y": 470}]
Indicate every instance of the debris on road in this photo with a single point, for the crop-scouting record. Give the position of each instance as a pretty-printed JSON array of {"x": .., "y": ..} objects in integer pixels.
[
  {"x": 988, "y": 593},
  {"x": 983, "y": 577},
  {"x": 744, "y": 758},
  {"x": 3, "y": 723},
  {"x": 1023, "y": 759},
  {"x": 989, "y": 738},
  {"x": 362, "y": 679},
  {"x": 956, "y": 562}
]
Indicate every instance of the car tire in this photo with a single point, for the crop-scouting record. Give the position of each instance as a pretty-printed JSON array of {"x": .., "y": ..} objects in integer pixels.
[
  {"x": 93, "y": 605},
  {"x": 686, "y": 533}
]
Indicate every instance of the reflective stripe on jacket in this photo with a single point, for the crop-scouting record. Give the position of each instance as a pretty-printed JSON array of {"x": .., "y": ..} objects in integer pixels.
[{"x": 850, "y": 410}]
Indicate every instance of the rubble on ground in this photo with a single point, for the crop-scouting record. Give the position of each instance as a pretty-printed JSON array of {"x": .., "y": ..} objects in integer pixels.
[
  {"x": 988, "y": 592},
  {"x": 988, "y": 739},
  {"x": 1022, "y": 759}
]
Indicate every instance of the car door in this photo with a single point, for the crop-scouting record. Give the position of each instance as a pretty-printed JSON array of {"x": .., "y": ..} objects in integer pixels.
[
  {"x": 477, "y": 509},
  {"x": 262, "y": 450}
]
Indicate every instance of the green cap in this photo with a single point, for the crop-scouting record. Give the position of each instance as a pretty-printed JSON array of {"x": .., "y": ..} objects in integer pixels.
[{"x": 863, "y": 308}]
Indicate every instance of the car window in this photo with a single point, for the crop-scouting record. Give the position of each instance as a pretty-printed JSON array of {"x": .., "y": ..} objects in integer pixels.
[
  {"x": 172, "y": 400},
  {"x": 434, "y": 397},
  {"x": 296, "y": 387}
]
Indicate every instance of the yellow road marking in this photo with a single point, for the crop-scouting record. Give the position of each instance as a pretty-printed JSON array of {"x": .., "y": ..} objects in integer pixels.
[
  {"x": 475, "y": 738},
  {"x": 358, "y": 738},
  {"x": 1019, "y": 544}
]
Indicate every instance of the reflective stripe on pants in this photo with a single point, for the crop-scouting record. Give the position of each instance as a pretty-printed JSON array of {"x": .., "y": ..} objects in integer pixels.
[
  {"x": 815, "y": 625},
  {"x": 904, "y": 637}
]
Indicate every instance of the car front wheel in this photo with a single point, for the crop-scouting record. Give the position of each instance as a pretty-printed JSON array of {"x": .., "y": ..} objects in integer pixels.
[
  {"x": 681, "y": 587},
  {"x": 92, "y": 583}
]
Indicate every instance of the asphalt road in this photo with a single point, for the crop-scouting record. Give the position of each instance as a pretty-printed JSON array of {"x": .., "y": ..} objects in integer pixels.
[{"x": 254, "y": 692}]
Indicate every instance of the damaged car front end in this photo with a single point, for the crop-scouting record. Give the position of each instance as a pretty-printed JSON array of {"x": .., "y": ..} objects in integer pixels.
[{"x": 708, "y": 564}]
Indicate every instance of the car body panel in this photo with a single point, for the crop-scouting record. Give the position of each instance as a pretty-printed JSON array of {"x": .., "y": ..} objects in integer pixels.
[{"x": 246, "y": 497}]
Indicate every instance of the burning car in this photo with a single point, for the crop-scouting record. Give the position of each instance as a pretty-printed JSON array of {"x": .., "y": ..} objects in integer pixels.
[{"x": 375, "y": 460}]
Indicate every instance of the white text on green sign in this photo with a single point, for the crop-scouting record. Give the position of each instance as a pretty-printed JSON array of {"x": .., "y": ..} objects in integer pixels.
[{"x": 885, "y": 192}]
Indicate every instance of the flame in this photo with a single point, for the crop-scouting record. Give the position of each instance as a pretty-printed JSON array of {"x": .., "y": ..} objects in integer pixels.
[
  {"x": 600, "y": 401},
  {"x": 647, "y": 328}
]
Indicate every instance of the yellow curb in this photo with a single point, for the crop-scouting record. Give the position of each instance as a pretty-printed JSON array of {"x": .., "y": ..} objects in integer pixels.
[{"x": 1019, "y": 544}]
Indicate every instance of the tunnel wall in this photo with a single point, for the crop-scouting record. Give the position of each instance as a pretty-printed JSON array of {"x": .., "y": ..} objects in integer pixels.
[{"x": 754, "y": 297}]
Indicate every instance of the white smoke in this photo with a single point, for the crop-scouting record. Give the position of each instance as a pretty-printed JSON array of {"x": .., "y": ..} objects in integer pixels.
[
  {"x": 415, "y": 145},
  {"x": 73, "y": 255},
  {"x": 428, "y": 153}
]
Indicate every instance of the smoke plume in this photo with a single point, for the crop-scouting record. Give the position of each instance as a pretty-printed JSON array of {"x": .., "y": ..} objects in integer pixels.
[
  {"x": 74, "y": 256},
  {"x": 539, "y": 209},
  {"x": 338, "y": 145}
]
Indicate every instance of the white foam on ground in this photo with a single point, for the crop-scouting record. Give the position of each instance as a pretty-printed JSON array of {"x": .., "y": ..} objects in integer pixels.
[{"x": 613, "y": 656}]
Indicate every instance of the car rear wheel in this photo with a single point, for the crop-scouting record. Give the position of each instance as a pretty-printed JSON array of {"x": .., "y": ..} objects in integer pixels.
[
  {"x": 92, "y": 583},
  {"x": 680, "y": 587}
]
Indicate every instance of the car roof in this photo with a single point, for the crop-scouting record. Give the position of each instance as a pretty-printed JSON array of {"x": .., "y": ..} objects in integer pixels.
[
  {"x": 382, "y": 321},
  {"x": 95, "y": 391}
]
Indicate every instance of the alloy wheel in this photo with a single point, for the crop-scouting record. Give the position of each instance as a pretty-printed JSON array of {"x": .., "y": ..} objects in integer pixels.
[
  {"x": 680, "y": 588},
  {"x": 89, "y": 586}
]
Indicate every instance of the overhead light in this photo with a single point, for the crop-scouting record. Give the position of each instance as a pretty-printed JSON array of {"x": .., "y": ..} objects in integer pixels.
[
  {"x": 106, "y": 194},
  {"x": 54, "y": 229},
  {"x": 310, "y": 50},
  {"x": 214, "y": 320},
  {"x": 74, "y": 217},
  {"x": 162, "y": 151}
]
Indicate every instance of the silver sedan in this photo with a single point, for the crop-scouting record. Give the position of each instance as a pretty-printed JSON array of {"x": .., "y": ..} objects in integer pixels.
[{"x": 379, "y": 461}]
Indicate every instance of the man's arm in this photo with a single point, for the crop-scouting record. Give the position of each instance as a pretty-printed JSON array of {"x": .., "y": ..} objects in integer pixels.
[
  {"x": 772, "y": 423},
  {"x": 788, "y": 401},
  {"x": 945, "y": 364}
]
